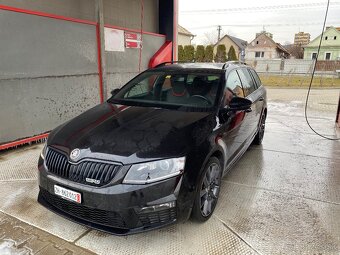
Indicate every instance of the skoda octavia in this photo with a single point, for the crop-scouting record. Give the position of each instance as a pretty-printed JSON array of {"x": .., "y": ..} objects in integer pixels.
[{"x": 155, "y": 152}]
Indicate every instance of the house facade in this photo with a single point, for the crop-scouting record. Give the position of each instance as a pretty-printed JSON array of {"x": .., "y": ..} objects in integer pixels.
[
  {"x": 330, "y": 46},
  {"x": 238, "y": 44},
  {"x": 264, "y": 47},
  {"x": 184, "y": 36}
]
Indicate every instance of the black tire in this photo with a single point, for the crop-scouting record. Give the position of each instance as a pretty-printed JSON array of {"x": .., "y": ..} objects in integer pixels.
[
  {"x": 260, "y": 132},
  {"x": 208, "y": 190}
]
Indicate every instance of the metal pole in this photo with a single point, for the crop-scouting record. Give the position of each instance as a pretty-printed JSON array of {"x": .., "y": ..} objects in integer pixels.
[
  {"x": 219, "y": 28},
  {"x": 100, "y": 20}
]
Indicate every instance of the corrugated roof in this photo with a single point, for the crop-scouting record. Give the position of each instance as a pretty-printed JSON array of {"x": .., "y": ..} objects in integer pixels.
[
  {"x": 242, "y": 44},
  {"x": 182, "y": 30},
  {"x": 239, "y": 42}
]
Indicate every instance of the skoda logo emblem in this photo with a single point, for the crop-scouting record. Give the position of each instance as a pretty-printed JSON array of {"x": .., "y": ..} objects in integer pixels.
[{"x": 75, "y": 154}]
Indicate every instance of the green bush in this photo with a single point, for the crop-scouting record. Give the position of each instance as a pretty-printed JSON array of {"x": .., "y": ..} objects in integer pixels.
[
  {"x": 232, "y": 54},
  {"x": 209, "y": 53},
  {"x": 199, "y": 54},
  {"x": 189, "y": 53},
  {"x": 221, "y": 53},
  {"x": 180, "y": 53}
]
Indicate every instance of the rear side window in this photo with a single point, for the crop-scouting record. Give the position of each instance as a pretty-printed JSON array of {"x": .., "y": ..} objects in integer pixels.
[
  {"x": 256, "y": 77},
  {"x": 247, "y": 82}
]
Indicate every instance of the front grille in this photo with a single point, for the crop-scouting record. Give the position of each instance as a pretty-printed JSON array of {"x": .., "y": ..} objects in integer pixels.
[
  {"x": 97, "y": 216},
  {"x": 102, "y": 173},
  {"x": 158, "y": 217}
]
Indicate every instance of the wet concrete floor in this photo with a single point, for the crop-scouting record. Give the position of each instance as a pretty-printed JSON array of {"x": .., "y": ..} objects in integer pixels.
[{"x": 281, "y": 198}]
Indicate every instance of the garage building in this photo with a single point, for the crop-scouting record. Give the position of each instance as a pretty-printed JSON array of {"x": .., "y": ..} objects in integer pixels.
[{"x": 62, "y": 57}]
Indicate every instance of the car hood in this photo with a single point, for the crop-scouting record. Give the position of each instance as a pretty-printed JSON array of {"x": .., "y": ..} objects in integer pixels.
[{"x": 130, "y": 134}]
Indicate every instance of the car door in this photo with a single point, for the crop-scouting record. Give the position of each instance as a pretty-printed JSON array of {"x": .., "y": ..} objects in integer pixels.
[
  {"x": 250, "y": 90},
  {"x": 234, "y": 134},
  {"x": 260, "y": 91}
]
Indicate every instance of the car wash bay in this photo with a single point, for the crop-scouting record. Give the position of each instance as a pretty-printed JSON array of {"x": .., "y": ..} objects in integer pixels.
[
  {"x": 59, "y": 59},
  {"x": 280, "y": 198}
]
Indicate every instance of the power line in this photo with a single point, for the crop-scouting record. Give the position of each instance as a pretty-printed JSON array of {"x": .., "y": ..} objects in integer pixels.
[
  {"x": 266, "y": 24},
  {"x": 261, "y": 8}
]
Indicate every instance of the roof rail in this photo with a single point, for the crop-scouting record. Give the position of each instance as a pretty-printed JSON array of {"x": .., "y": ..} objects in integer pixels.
[
  {"x": 172, "y": 62},
  {"x": 226, "y": 64}
]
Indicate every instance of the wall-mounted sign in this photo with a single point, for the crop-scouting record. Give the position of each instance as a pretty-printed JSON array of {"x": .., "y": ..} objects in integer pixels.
[
  {"x": 130, "y": 44},
  {"x": 114, "y": 39},
  {"x": 133, "y": 40}
]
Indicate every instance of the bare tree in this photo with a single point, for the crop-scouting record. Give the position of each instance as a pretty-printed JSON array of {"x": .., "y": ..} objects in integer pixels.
[
  {"x": 210, "y": 38},
  {"x": 295, "y": 50}
]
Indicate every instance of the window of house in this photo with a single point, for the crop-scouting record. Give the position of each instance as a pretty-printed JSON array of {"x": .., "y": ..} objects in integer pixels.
[
  {"x": 334, "y": 37},
  {"x": 327, "y": 56},
  {"x": 326, "y": 37},
  {"x": 259, "y": 54},
  {"x": 314, "y": 55},
  {"x": 257, "y": 42}
]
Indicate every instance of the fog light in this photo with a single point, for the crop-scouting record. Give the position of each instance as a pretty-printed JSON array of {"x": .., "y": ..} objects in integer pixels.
[{"x": 155, "y": 208}]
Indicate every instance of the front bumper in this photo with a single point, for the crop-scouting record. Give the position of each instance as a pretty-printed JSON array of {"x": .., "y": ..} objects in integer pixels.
[{"x": 120, "y": 209}]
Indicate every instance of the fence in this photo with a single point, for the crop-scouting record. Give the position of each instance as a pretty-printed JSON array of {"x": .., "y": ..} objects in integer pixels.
[{"x": 296, "y": 66}]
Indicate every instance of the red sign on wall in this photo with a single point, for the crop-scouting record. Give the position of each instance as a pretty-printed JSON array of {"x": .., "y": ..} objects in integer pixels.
[
  {"x": 130, "y": 44},
  {"x": 133, "y": 40},
  {"x": 130, "y": 36}
]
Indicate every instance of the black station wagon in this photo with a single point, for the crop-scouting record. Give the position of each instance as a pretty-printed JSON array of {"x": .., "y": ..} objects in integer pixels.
[{"x": 155, "y": 152}]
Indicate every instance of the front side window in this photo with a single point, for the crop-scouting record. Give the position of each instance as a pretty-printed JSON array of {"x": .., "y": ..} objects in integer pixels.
[
  {"x": 140, "y": 89},
  {"x": 247, "y": 81},
  {"x": 234, "y": 84},
  {"x": 171, "y": 89},
  {"x": 328, "y": 56}
]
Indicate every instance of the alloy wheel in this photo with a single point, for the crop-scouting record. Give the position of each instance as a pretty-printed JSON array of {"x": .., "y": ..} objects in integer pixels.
[
  {"x": 262, "y": 126},
  {"x": 210, "y": 189}
]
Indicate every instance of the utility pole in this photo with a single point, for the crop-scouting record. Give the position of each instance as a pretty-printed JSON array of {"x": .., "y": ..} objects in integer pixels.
[{"x": 219, "y": 28}]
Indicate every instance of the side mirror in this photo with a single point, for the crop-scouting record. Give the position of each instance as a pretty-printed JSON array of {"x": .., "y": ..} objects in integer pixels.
[
  {"x": 114, "y": 92},
  {"x": 239, "y": 104},
  {"x": 236, "y": 104}
]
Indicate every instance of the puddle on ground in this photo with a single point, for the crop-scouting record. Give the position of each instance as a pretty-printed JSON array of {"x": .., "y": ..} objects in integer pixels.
[{"x": 7, "y": 247}]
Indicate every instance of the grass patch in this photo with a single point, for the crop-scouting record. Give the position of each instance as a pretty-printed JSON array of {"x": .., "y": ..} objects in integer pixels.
[{"x": 299, "y": 81}]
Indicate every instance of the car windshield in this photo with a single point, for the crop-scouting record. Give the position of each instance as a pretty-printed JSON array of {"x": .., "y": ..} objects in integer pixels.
[{"x": 171, "y": 89}]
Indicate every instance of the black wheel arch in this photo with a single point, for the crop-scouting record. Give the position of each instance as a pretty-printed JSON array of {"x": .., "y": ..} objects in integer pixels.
[{"x": 190, "y": 181}]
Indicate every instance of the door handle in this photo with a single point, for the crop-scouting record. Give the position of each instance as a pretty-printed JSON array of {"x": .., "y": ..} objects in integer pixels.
[{"x": 248, "y": 110}]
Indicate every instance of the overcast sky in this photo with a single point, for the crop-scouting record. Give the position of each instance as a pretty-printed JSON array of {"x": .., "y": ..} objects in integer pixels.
[{"x": 244, "y": 18}]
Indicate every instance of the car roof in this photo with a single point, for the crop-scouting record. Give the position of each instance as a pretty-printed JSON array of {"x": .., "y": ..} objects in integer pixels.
[{"x": 214, "y": 67}]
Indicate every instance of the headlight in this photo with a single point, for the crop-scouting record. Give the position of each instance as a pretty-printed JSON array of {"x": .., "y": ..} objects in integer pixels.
[
  {"x": 154, "y": 171},
  {"x": 43, "y": 152}
]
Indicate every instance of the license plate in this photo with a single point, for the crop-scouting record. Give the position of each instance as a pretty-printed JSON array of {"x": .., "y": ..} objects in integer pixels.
[{"x": 68, "y": 194}]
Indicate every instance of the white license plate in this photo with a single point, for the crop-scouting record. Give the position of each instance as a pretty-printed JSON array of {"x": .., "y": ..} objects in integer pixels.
[{"x": 68, "y": 194}]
